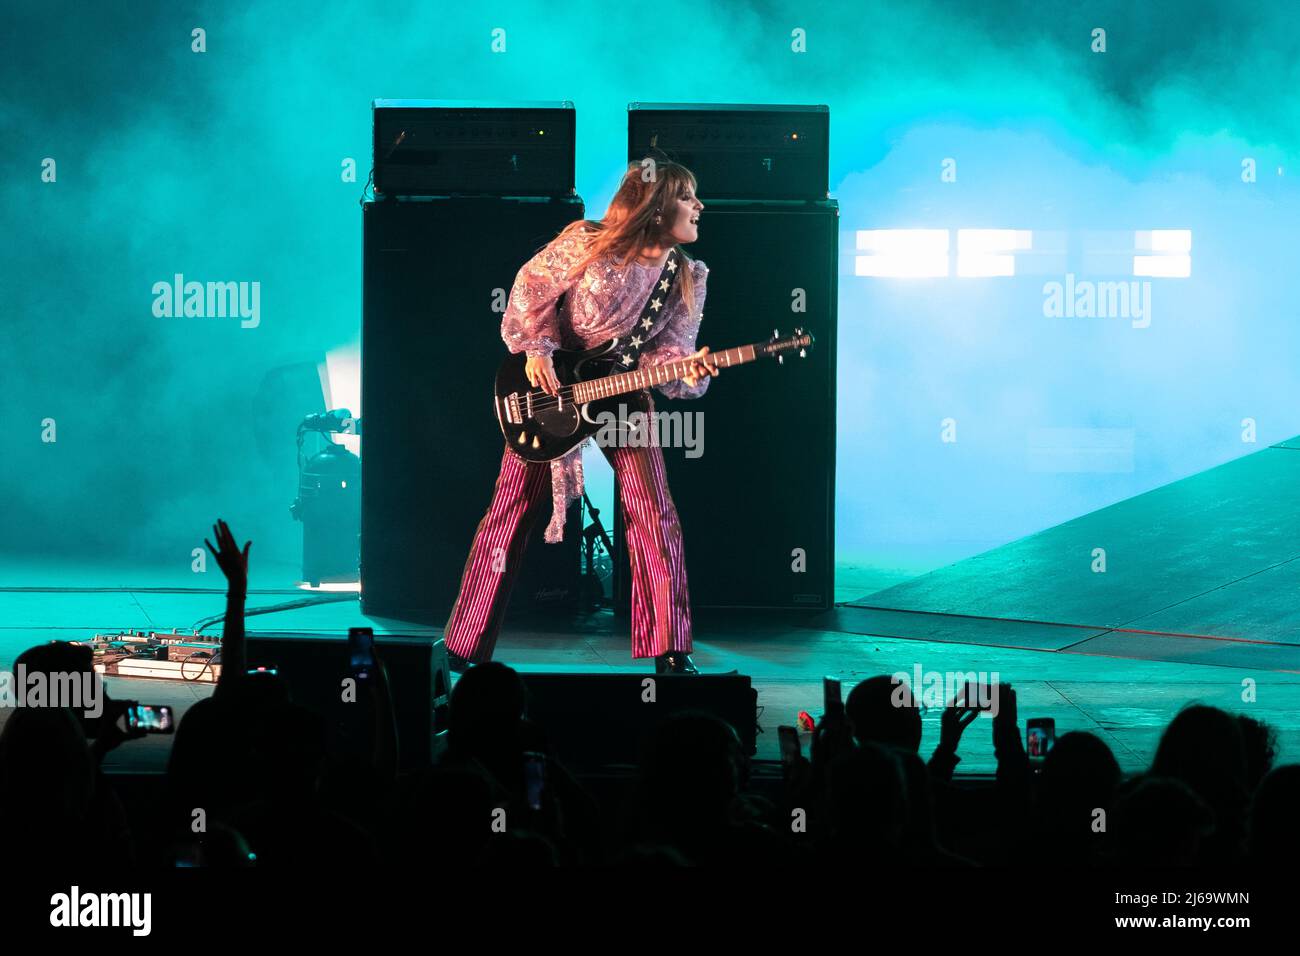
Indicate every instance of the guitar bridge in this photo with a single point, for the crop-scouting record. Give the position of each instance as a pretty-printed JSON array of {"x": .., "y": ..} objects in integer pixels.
[{"x": 513, "y": 415}]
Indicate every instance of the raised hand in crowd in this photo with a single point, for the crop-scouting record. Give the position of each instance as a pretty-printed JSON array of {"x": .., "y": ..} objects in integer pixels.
[
  {"x": 956, "y": 717},
  {"x": 234, "y": 565}
]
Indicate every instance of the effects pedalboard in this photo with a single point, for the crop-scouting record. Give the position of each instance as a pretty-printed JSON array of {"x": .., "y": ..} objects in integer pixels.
[{"x": 174, "y": 656}]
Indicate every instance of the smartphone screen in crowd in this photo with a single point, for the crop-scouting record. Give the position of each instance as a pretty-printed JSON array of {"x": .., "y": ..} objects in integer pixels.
[
  {"x": 1040, "y": 735},
  {"x": 151, "y": 718},
  {"x": 361, "y": 649}
]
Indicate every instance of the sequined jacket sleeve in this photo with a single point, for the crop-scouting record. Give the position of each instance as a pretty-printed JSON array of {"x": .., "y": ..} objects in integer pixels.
[
  {"x": 530, "y": 323},
  {"x": 677, "y": 339}
]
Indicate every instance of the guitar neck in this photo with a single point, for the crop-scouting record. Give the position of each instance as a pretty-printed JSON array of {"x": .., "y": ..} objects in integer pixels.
[{"x": 624, "y": 382}]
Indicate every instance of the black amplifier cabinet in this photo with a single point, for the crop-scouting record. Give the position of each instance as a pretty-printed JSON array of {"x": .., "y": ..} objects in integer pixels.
[
  {"x": 315, "y": 665},
  {"x": 598, "y": 720},
  {"x": 435, "y": 273},
  {"x": 756, "y": 495}
]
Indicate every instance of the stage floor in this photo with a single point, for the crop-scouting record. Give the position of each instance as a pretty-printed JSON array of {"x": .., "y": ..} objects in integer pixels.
[
  {"x": 1123, "y": 699},
  {"x": 1197, "y": 603}
]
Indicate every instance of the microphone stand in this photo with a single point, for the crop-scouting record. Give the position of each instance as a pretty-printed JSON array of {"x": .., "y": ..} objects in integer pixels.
[{"x": 593, "y": 591}]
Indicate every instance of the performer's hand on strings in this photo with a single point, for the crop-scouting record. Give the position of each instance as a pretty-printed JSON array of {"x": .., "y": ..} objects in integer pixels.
[
  {"x": 540, "y": 370},
  {"x": 702, "y": 366}
]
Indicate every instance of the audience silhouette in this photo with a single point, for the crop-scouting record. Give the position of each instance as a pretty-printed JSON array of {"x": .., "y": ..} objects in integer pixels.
[{"x": 253, "y": 781}]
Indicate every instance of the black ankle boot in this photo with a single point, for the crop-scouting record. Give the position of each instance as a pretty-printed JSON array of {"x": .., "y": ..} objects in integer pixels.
[{"x": 675, "y": 662}]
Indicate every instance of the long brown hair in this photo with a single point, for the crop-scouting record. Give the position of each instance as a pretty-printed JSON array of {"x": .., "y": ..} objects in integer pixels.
[{"x": 650, "y": 186}]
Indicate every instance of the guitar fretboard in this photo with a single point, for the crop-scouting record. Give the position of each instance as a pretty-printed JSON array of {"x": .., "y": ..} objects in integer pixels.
[{"x": 624, "y": 382}]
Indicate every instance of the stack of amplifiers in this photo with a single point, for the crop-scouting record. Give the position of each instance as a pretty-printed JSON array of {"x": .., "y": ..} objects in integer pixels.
[
  {"x": 757, "y": 496},
  {"x": 466, "y": 193},
  {"x": 471, "y": 148}
]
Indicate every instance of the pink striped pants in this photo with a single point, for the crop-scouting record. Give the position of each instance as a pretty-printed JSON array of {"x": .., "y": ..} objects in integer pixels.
[{"x": 661, "y": 608}]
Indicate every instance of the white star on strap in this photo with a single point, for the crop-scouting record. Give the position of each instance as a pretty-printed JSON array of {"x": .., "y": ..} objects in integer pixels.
[
  {"x": 663, "y": 285},
  {"x": 646, "y": 323},
  {"x": 656, "y": 303},
  {"x": 636, "y": 341},
  {"x": 672, "y": 264},
  {"x": 627, "y": 359}
]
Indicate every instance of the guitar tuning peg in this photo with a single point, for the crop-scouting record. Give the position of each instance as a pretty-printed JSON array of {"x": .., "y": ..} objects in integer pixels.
[
  {"x": 780, "y": 360},
  {"x": 776, "y": 333},
  {"x": 799, "y": 331},
  {"x": 803, "y": 353}
]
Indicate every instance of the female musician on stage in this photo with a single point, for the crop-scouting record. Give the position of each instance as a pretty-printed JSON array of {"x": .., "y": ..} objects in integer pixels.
[{"x": 607, "y": 272}]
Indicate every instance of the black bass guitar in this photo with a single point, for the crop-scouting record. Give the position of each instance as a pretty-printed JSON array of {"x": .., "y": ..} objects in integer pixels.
[{"x": 542, "y": 427}]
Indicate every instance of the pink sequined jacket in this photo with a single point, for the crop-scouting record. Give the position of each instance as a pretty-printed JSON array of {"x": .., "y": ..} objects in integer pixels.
[{"x": 604, "y": 301}]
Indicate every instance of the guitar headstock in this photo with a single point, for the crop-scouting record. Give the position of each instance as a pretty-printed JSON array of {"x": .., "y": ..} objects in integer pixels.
[{"x": 778, "y": 346}]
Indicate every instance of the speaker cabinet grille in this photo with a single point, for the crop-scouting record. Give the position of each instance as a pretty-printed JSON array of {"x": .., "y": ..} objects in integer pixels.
[
  {"x": 431, "y": 451},
  {"x": 757, "y": 506}
]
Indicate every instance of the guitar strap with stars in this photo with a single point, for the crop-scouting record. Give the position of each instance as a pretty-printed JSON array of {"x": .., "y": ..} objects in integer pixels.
[{"x": 627, "y": 350}]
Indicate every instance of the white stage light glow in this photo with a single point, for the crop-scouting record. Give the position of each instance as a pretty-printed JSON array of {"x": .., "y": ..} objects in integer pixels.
[
  {"x": 340, "y": 377},
  {"x": 1171, "y": 248},
  {"x": 984, "y": 253},
  {"x": 902, "y": 253}
]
